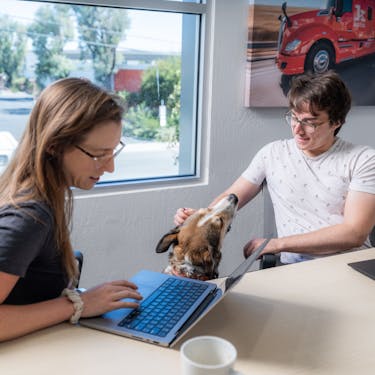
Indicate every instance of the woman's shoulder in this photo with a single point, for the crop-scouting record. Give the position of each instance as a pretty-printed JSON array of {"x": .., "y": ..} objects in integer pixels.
[{"x": 30, "y": 211}]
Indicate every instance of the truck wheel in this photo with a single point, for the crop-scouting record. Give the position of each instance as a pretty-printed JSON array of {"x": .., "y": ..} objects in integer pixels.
[{"x": 320, "y": 58}]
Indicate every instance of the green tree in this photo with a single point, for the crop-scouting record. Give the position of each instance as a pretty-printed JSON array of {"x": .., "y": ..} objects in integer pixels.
[
  {"x": 100, "y": 31},
  {"x": 12, "y": 49},
  {"x": 140, "y": 123},
  {"x": 50, "y": 31},
  {"x": 161, "y": 82}
]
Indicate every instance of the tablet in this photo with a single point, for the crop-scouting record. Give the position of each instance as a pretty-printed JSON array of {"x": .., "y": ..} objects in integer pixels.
[{"x": 367, "y": 267}]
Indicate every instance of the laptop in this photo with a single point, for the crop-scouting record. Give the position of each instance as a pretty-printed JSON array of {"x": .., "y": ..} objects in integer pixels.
[
  {"x": 171, "y": 305},
  {"x": 367, "y": 267}
]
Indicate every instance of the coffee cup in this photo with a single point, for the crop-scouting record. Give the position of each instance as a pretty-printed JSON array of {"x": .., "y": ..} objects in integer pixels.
[{"x": 208, "y": 355}]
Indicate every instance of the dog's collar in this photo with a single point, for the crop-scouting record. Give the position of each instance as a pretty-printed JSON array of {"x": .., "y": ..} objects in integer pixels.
[{"x": 194, "y": 276}]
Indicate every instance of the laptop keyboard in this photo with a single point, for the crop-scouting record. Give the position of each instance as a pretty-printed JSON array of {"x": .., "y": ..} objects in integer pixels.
[{"x": 160, "y": 312}]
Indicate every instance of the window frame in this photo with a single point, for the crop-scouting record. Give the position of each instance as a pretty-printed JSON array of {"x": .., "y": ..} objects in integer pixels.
[{"x": 118, "y": 186}]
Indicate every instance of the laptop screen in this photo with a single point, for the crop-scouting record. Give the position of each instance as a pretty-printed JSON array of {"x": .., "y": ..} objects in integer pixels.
[{"x": 238, "y": 273}]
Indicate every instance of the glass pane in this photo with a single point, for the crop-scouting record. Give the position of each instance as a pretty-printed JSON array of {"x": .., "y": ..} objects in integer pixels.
[{"x": 150, "y": 58}]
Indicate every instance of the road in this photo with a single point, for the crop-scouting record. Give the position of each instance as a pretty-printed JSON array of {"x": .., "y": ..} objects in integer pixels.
[
  {"x": 141, "y": 160},
  {"x": 14, "y": 113},
  {"x": 138, "y": 160},
  {"x": 265, "y": 85},
  {"x": 269, "y": 86}
]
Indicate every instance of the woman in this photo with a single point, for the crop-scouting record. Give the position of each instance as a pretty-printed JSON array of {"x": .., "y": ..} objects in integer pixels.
[{"x": 71, "y": 139}]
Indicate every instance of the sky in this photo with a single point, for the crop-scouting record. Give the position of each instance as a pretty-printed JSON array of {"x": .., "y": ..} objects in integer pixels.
[{"x": 149, "y": 30}]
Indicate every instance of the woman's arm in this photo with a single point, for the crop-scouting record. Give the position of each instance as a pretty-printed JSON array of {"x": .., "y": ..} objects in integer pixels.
[{"x": 18, "y": 320}]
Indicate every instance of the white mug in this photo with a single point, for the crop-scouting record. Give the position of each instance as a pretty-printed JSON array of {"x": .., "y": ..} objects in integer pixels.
[{"x": 208, "y": 355}]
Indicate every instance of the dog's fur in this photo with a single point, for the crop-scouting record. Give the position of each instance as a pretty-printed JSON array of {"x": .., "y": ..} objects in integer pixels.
[{"x": 197, "y": 243}]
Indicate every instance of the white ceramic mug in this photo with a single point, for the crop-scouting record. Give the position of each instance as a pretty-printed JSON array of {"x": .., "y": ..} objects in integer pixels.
[{"x": 208, "y": 355}]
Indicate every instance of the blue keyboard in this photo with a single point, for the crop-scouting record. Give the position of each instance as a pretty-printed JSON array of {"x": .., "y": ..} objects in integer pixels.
[{"x": 160, "y": 312}]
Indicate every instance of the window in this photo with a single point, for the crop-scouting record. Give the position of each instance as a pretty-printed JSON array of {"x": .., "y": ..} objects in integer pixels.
[{"x": 145, "y": 50}]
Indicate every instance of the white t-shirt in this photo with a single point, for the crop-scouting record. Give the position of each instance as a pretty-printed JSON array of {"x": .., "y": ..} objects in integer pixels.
[{"x": 308, "y": 193}]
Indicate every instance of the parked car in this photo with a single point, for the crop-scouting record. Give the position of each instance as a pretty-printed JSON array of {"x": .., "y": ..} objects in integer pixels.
[{"x": 7, "y": 146}]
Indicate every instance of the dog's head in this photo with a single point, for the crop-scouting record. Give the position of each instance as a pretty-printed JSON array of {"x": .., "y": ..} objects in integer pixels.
[{"x": 197, "y": 243}]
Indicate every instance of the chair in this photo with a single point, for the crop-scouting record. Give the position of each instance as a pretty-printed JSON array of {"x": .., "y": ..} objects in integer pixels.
[
  {"x": 268, "y": 261},
  {"x": 372, "y": 237},
  {"x": 79, "y": 257},
  {"x": 269, "y": 229}
]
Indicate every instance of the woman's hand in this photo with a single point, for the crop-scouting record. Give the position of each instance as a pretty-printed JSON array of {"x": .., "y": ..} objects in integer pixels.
[
  {"x": 182, "y": 214},
  {"x": 108, "y": 296}
]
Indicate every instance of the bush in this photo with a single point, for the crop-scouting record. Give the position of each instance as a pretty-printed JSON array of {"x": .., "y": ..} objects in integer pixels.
[
  {"x": 22, "y": 84},
  {"x": 140, "y": 123}
]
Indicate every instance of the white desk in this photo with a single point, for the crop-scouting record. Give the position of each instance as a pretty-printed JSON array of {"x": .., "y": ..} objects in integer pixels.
[{"x": 316, "y": 317}]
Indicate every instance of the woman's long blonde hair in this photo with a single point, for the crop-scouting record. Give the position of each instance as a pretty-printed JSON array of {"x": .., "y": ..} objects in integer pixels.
[{"x": 62, "y": 116}]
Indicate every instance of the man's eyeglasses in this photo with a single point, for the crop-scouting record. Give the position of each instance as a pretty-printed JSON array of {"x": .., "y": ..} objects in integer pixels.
[
  {"x": 103, "y": 159},
  {"x": 307, "y": 125}
]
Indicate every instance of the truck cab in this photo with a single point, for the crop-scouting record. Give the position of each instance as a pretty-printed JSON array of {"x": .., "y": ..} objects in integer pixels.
[{"x": 317, "y": 39}]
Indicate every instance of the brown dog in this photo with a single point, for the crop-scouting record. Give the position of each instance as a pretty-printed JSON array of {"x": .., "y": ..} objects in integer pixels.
[{"x": 197, "y": 242}]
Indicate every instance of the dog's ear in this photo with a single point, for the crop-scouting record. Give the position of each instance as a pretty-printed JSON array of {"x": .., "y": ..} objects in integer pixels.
[
  {"x": 167, "y": 240},
  {"x": 213, "y": 239}
]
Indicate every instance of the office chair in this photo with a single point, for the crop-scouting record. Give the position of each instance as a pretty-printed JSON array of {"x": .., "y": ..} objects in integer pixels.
[
  {"x": 268, "y": 261},
  {"x": 372, "y": 237},
  {"x": 269, "y": 229},
  {"x": 79, "y": 257}
]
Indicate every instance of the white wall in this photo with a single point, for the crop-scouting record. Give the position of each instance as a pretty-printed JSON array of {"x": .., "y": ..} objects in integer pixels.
[{"x": 118, "y": 229}]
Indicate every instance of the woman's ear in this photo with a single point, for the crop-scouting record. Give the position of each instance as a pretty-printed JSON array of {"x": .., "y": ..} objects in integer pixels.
[{"x": 51, "y": 151}]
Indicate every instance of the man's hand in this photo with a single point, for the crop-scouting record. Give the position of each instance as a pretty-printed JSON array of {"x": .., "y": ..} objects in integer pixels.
[
  {"x": 254, "y": 244},
  {"x": 182, "y": 214}
]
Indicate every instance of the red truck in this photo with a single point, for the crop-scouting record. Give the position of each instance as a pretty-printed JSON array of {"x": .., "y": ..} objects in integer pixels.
[{"x": 316, "y": 40}]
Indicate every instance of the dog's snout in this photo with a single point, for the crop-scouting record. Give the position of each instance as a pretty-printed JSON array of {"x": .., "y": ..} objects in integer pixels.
[{"x": 233, "y": 198}]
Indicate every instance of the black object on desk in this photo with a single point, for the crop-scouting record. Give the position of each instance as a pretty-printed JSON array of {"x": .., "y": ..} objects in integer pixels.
[{"x": 367, "y": 267}]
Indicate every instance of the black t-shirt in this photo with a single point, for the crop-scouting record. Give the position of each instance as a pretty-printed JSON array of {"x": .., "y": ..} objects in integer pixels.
[{"x": 28, "y": 249}]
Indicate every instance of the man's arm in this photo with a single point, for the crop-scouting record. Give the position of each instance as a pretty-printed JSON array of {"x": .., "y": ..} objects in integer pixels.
[
  {"x": 244, "y": 190},
  {"x": 359, "y": 219}
]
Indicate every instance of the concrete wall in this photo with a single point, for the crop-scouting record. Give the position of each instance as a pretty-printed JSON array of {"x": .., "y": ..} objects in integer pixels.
[{"x": 118, "y": 228}]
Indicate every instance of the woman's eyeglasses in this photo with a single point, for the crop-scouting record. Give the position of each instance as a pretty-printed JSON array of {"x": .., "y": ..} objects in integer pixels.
[{"x": 104, "y": 159}]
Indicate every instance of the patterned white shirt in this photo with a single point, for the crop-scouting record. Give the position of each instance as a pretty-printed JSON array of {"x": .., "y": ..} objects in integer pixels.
[{"x": 308, "y": 193}]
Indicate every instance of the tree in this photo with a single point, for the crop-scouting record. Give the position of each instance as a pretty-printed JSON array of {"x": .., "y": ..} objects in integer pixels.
[
  {"x": 100, "y": 31},
  {"x": 162, "y": 82},
  {"x": 12, "y": 49},
  {"x": 50, "y": 31},
  {"x": 167, "y": 75}
]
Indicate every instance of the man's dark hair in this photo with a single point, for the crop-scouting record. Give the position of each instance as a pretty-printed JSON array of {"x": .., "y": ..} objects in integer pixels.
[{"x": 321, "y": 92}]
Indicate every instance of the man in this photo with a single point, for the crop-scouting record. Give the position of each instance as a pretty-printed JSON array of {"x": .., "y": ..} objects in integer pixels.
[{"x": 322, "y": 187}]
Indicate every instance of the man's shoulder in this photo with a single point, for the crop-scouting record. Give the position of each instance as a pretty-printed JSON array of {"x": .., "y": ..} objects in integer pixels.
[
  {"x": 279, "y": 145},
  {"x": 352, "y": 148}
]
